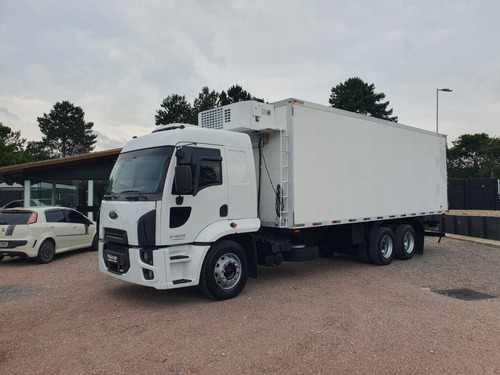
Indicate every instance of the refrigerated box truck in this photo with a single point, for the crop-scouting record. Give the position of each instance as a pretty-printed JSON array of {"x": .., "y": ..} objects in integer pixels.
[{"x": 257, "y": 184}]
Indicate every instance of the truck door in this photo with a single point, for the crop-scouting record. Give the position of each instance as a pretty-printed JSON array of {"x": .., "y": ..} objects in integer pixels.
[{"x": 207, "y": 202}]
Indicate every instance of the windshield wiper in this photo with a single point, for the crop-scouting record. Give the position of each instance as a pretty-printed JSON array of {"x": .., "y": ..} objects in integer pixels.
[
  {"x": 134, "y": 197},
  {"x": 109, "y": 196}
]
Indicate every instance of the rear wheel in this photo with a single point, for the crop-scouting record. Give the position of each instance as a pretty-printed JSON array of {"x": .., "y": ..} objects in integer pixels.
[
  {"x": 381, "y": 247},
  {"x": 1, "y": 257},
  {"x": 46, "y": 252},
  {"x": 224, "y": 272},
  {"x": 93, "y": 247},
  {"x": 404, "y": 242}
]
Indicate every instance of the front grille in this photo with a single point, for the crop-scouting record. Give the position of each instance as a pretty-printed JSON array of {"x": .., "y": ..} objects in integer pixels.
[
  {"x": 116, "y": 257},
  {"x": 115, "y": 235},
  {"x": 115, "y": 250}
]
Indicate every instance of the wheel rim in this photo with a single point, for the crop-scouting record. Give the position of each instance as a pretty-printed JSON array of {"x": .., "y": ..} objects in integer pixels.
[
  {"x": 46, "y": 251},
  {"x": 408, "y": 243},
  {"x": 386, "y": 246},
  {"x": 227, "y": 271}
]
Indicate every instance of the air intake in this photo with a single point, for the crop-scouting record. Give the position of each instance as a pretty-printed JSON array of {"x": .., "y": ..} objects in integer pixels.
[{"x": 215, "y": 118}]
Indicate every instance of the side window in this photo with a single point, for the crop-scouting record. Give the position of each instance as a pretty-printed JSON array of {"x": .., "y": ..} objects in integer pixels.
[
  {"x": 210, "y": 173},
  {"x": 206, "y": 167},
  {"x": 55, "y": 216},
  {"x": 76, "y": 217}
]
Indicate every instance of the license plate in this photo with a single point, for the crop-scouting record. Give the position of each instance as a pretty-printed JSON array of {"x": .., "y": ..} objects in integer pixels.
[
  {"x": 111, "y": 258},
  {"x": 4, "y": 244}
]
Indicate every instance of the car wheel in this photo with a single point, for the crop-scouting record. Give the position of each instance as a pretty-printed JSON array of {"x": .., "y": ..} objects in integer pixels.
[
  {"x": 1, "y": 257},
  {"x": 224, "y": 272},
  {"x": 93, "y": 247},
  {"x": 46, "y": 252},
  {"x": 404, "y": 242},
  {"x": 381, "y": 247}
]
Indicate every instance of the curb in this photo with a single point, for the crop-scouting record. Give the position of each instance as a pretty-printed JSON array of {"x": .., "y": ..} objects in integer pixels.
[{"x": 483, "y": 241}]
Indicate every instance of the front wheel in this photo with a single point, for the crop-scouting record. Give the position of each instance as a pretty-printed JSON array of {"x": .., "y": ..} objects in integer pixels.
[
  {"x": 381, "y": 247},
  {"x": 224, "y": 272}
]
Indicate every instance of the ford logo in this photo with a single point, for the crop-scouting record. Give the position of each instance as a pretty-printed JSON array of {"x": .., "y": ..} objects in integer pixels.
[{"x": 113, "y": 215}]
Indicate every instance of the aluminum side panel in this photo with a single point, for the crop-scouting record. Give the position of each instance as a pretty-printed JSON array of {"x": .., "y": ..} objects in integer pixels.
[{"x": 345, "y": 167}]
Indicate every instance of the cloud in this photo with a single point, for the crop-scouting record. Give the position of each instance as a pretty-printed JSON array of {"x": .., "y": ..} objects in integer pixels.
[{"x": 118, "y": 60}]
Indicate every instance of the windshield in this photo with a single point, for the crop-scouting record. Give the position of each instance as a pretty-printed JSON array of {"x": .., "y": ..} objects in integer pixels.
[{"x": 140, "y": 172}]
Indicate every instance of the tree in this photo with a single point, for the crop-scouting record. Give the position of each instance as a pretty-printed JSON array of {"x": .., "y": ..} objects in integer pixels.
[
  {"x": 206, "y": 100},
  {"x": 175, "y": 109},
  {"x": 12, "y": 147},
  {"x": 474, "y": 156},
  {"x": 357, "y": 96},
  {"x": 65, "y": 131},
  {"x": 38, "y": 150},
  {"x": 234, "y": 94}
]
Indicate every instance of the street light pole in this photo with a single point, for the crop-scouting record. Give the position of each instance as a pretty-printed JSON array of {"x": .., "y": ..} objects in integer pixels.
[{"x": 437, "y": 106}]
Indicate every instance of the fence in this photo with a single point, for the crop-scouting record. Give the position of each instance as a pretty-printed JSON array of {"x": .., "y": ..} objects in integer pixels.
[
  {"x": 474, "y": 226},
  {"x": 473, "y": 194}
]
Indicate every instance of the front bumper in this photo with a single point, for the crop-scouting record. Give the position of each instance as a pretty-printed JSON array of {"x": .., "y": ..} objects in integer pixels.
[{"x": 160, "y": 268}]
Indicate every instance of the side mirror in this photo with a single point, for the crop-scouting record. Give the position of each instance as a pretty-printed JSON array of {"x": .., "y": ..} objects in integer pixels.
[{"x": 183, "y": 179}]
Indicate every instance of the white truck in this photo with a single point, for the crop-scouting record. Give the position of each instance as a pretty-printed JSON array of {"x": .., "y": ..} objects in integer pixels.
[{"x": 257, "y": 184}]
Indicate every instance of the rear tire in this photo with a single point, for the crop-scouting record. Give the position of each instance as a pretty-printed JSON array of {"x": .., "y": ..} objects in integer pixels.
[
  {"x": 224, "y": 272},
  {"x": 405, "y": 239},
  {"x": 46, "y": 252},
  {"x": 381, "y": 247}
]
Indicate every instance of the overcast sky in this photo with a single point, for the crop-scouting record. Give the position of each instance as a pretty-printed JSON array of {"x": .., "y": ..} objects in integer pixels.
[{"x": 117, "y": 60}]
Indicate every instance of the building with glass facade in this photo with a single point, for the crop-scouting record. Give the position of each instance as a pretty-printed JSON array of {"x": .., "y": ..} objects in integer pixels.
[{"x": 78, "y": 182}]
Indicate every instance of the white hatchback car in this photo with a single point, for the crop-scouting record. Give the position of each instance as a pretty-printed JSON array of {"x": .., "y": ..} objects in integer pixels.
[{"x": 41, "y": 232}]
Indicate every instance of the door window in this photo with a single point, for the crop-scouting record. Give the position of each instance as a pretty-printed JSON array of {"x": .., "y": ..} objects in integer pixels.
[
  {"x": 55, "y": 216},
  {"x": 76, "y": 217},
  {"x": 206, "y": 167},
  {"x": 210, "y": 173}
]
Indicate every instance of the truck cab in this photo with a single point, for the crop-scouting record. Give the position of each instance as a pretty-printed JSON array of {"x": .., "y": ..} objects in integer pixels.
[{"x": 174, "y": 195}]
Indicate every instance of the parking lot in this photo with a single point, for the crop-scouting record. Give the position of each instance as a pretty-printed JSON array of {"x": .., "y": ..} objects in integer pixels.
[{"x": 329, "y": 316}]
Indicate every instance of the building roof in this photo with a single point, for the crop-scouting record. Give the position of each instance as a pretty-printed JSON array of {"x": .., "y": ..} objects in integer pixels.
[{"x": 62, "y": 165}]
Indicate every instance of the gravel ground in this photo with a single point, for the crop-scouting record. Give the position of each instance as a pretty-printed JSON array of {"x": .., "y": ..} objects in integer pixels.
[{"x": 329, "y": 316}]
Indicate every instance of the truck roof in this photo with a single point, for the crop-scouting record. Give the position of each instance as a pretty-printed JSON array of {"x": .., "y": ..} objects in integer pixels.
[
  {"x": 342, "y": 112},
  {"x": 175, "y": 134}
]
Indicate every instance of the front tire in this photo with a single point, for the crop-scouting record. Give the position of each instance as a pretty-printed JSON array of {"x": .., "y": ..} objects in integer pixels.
[
  {"x": 224, "y": 272},
  {"x": 46, "y": 252},
  {"x": 381, "y": 247}
]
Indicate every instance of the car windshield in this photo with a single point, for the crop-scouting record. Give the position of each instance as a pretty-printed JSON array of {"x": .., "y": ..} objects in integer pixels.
[
  {"x": 140, "y": 172},
  {"x": 14, "y": 218}
]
